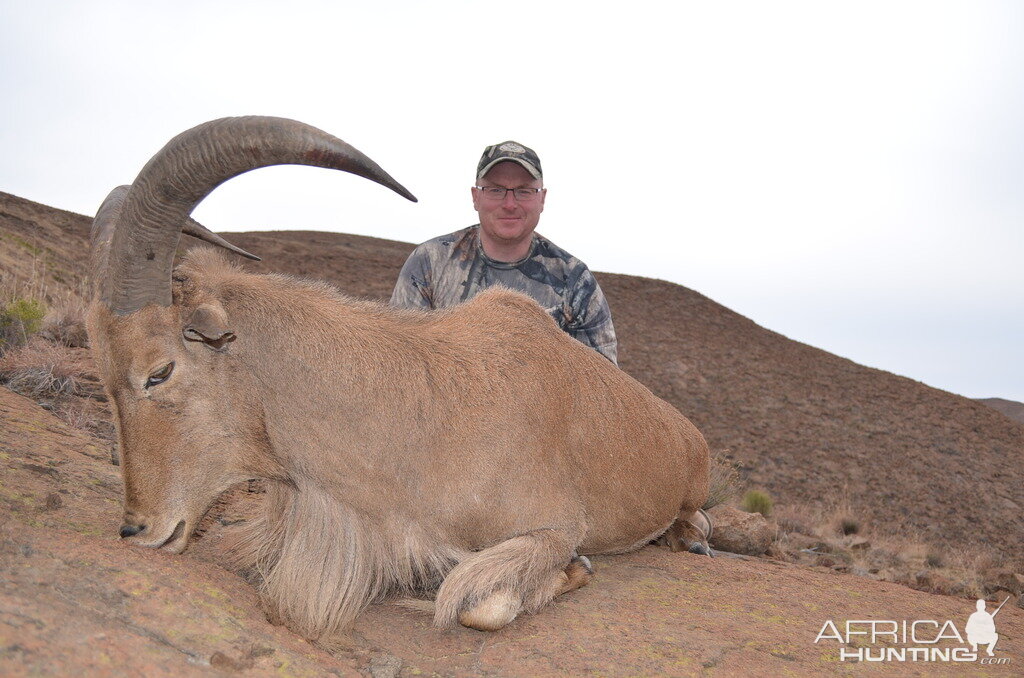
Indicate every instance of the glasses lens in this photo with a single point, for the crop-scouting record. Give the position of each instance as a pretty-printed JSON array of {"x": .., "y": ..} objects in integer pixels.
[
  {"x": 493, "y": 192},
  {"x": 525, "y": 194}
]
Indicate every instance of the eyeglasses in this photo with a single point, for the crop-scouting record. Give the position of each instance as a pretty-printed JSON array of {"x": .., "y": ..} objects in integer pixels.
[{"x": 499, "y": 193}]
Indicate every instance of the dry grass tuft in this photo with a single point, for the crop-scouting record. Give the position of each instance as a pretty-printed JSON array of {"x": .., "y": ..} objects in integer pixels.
[
  {"x": 40, "y": 369},
  {"x": 65, "y": 324},
  {"x": 848, "y": 525},
  {"x": 723, "y": 481},
  {"x": 77, "y": 415}
]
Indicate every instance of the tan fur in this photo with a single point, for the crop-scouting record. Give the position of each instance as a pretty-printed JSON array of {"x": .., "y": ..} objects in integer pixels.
[{"x": 475, "y": 449}]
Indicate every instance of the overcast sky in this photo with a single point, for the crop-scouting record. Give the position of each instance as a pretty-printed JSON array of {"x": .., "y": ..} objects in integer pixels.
[{"x": 848, "y": 174}]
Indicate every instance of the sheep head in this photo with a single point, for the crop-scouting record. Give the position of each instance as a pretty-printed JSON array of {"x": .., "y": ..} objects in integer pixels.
[{"x": 188, "y": 424}]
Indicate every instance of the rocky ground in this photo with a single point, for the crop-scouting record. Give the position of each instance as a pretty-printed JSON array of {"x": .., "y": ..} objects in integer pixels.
[
  {"x": 77, "y": 600},
  {"x": 868, "y": 472},
  {"x": 816, "y": 431}
]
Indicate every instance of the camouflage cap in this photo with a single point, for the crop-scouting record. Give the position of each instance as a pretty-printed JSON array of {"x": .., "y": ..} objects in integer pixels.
[{"x": 509, "y": 151}]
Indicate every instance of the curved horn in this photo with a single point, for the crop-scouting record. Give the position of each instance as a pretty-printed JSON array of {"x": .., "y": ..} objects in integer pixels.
[
  {"x": 152, "y": 214},
  {"x": 197, "y": 230},
  {"x": 101, "y": 237},
  {"x": 103, "y": 232}
]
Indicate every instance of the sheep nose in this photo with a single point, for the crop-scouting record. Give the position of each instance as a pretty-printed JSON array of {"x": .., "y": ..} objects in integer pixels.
[{"x": 131, "y": 530}]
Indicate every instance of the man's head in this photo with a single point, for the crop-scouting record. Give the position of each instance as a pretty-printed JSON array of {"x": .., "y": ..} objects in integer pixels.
[
  {"x": 509, "y": 151},
  {"x": 508, "y": 217}
]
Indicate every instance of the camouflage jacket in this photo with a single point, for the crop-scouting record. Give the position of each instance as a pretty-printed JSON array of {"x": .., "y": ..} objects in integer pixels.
[{"x": 453, "y": 268}]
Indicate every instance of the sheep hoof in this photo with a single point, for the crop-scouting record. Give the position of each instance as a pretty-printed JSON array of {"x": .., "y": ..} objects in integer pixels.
[
  {"x": 493, "y": 612},
  {"x": 577, "y": 573}
]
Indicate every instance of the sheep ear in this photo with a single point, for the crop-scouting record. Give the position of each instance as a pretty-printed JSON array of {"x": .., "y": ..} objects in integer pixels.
[{"x": 208, "y": 323}]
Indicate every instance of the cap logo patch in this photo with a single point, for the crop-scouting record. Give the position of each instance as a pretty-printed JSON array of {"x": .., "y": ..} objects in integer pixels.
[{"x": 512, "y": 148}]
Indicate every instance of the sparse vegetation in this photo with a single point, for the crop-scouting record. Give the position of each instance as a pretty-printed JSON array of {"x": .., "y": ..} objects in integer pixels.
[
  {"x": 827, "y": 535},
  {"x": 42, "y": 323},
  {"x": 36, "y": 296},
  {"x": 65, "y": 324},
  {"x": 34, "y": 250},
  {"x": 20, "y": 318},
  {"x": 55, "y": 376},
  {"x": 40, "y": 369},
  {"x": 848, "y": 525},
  {"x": 756, "y": 501},
  {"x": 824, "y": 537},
  {"x": 724, "y": 480}
]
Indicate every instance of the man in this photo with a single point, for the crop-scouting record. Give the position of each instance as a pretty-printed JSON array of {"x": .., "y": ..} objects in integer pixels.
[{"x": 503, "y": 249}]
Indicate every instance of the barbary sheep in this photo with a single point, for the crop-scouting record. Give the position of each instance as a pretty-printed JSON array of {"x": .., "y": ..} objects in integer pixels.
[{"x": 478, "y": 453}]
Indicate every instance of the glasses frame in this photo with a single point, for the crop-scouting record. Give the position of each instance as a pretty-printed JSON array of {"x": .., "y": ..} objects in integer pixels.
[{"x": 532, "y": 193}]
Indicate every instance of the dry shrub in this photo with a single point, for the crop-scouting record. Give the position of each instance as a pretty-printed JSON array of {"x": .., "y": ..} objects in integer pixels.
[
  {"x": 65, "y": 324},
  {"x": 797, "y": 518},
  {"x": 843, "y": 519},
  {"x": 39, "y": 300},
  {"x": 81, "y": 413},
  {"x": 723, "y": 480},
  {"x": 965, "y": 572},
  {"x": 847, "y": 525},
  {"x": 935, "y": 558},
  {"x": 832, "y": 521},
  {"x": 40, "y": 369}
]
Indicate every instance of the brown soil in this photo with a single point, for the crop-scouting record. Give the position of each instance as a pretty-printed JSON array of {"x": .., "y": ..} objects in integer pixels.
[
  {"x": 1010, "y": 408},
  {"x": 809, "y": 427},
  {"x": 75, "y": 598}
]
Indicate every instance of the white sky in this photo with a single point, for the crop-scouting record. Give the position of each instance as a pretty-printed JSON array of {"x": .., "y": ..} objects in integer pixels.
[{"x": 847, "y": 174}]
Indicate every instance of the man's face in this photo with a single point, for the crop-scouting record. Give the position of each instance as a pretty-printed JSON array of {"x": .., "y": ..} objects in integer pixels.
[{"x": 506, "y": 221}]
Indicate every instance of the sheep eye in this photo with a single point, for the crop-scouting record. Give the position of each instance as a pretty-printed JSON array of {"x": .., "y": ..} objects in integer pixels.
[{"x": 160, "y": 376}]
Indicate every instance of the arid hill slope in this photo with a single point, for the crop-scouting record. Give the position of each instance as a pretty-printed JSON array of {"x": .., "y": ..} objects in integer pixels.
[
  {"x": 74, "y": 600},
  {"x": 1010, "y": 408},
  {"x": 810, "y": 427}
]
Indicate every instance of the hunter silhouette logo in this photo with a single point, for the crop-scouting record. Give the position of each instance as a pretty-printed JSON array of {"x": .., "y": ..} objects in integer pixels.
[
  {"x": 873, "y": 640},
  {"x": 981, "y": 628}
]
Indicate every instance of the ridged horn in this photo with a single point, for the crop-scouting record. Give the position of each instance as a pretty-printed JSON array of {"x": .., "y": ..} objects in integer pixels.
[
  {"x": 136, "y": 232},
  {"x": 103, "y": 232},
  {"x": 101, "y": 236},
  {"x": 197, "y": 230}
]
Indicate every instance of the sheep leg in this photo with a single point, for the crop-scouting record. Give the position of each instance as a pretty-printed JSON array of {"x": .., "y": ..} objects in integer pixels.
[
  {"x": 501, "y": 607},
  {"x": 489, "y": 588}
]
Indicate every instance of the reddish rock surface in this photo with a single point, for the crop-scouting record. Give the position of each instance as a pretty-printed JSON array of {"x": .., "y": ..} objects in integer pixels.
[
  {"x": 807, "y": 425},
  {"x": 740, "y": 532},
  {"x": 74, "y": 600}
]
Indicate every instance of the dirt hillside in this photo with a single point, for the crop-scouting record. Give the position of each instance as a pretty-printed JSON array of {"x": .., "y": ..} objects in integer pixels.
[
  {"x": 75, "y": 600},
  {"x": 1010, "y": 408},
  {"x": 811, "y": 428}
]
